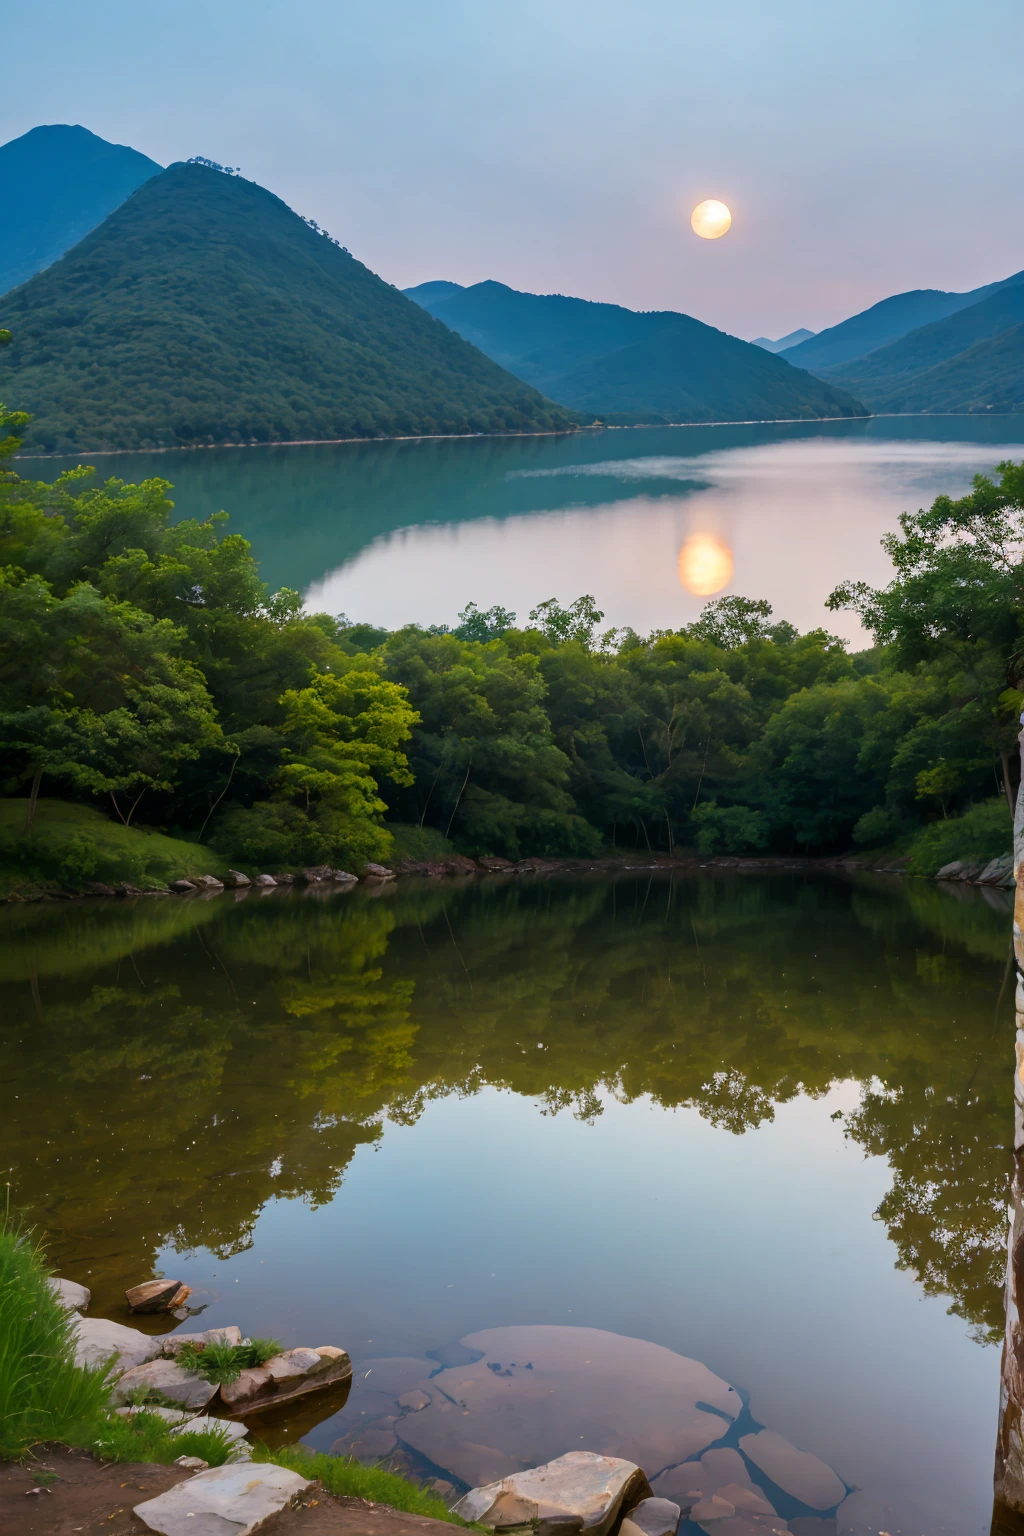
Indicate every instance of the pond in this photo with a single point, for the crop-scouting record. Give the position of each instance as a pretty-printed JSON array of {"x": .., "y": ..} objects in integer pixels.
[
  {"x": 713, "y": 1157},
  {"x": 650, "y": 521}
]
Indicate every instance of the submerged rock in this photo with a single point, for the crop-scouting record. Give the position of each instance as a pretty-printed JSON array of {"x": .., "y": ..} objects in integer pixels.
[
  {"x": 97, "y": 1340},
  {"x": 530, "y": 1393},
  {"x": 71, "y": 1295},
  {"x": 798, "y": 1473},
  {"x": 694, "y": 1480},
  {"x": 652, "y": 1517},
  {"x": 157, "y": 1295},
  {"x": 229, "y": 1500},
  {"x": 169, "y": 1379},
  {"x": 581, "y": 1491}
]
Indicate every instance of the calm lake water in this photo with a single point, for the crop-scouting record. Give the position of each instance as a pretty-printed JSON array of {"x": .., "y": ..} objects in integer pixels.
[
  {"x": 393, "y": 532},
  {"x": 761, "y": 1122}
]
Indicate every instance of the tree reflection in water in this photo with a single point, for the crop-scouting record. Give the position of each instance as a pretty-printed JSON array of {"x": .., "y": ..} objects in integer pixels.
[{"x": 171, "y": 1066}]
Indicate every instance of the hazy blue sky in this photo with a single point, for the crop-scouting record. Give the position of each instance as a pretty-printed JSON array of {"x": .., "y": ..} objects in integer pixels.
[{"x": 558, "y": 145}]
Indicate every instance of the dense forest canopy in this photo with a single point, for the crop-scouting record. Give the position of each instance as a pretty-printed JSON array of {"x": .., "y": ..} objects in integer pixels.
[{"x": 146, "y": 667}]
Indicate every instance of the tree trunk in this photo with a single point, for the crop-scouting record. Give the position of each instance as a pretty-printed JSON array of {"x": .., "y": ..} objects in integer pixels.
[
  {"x": 33, "y": 796},
  {"x": 1004, "y": 758}
]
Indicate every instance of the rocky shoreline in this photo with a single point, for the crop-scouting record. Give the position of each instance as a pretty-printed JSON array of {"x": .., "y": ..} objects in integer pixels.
[{"x": 996, "y": 873}]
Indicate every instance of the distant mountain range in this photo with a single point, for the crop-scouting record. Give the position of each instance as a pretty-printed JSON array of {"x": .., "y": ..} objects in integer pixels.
[
  {"x": 56, "y": 184},
  {"x": 624, "y": 366},
  {"x": 203, "y": 310},
  {"x": 792, "y": 340},
  {"x": 956, "y": 352}
]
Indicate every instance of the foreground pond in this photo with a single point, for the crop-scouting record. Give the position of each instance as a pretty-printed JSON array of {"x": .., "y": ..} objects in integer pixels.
[{"x": 762, "y": 1123}]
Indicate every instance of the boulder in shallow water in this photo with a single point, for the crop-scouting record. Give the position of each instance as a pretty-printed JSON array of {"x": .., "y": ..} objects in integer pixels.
[
  {"x": 265, "y": 882},
  {"x": 378, "y": 872},
  {"x": 527, "y": 1394},
  {"x": 169, "y": 1379},
  {"x": 207, "y": 883},
  {"x": 228, "y": 1501},
  {"x": 157, "y": 1295},
  {"x": 72, "y": 1296},
  {"x": 798, "y": 1473},
  {"x": 181, "y": 887},
  {"x": 97, "y": 1340},
  {"x": 579, "y": 1491},
  {"x": 652, "y": 1517},
  {"x": 236, "y": 879},
  {"x": 288, "y": 1375}
]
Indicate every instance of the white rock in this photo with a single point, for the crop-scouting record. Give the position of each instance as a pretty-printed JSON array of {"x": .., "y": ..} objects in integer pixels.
[
  {"x": 292, "y": 1363},
  {"x": 578, "y": 1486},
  {"x": 265, "y": 881},
  {"x": 97, "y": 1340},
  {"x": 178, "y": 1418},
  {"x": 191, "y": 1463},
  {"x": 652, "y": 1517},
  {"x": 73, "y": 1296},
  {"x": 199, "y": 1422},
  {"x": 225, "y": 1501},
  {"x": 168, "y": 1378},
  {"x": 797, "y": 1472}
]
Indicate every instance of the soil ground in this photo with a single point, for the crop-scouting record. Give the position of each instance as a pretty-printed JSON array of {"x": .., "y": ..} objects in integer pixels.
[{"x": 82, "y": 1497}]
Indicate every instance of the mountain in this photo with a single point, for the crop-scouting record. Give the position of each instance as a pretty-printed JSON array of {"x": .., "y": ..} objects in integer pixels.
[
  {"x": 203, "y": 310},
  {"x": 57, "y": 183},
  {"x": 986, "y": 377},
  {"x": 885, "y": 322},
  {"x": 887, "y": 376},
  {"x": 792, "y": 340},
  {"x": 630, "y": 366}
]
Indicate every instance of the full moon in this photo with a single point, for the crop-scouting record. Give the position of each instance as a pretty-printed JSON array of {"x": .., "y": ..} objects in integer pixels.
[
  {"x": 710, "y": 219},
  {"x": 705, "y": 564}
]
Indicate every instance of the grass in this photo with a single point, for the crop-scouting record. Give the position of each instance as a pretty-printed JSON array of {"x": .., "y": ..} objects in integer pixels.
[
  {"x": 71, "y": 845},
  {"x": 43, "y": 1394},
  {"x": 147, "y": 1437},
  {"x": 344, "y": 1475},
  {"x": 224, "y": 1363}
]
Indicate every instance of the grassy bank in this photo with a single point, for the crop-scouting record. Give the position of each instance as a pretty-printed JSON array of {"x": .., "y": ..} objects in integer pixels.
[{"x": 71, "y": 846}]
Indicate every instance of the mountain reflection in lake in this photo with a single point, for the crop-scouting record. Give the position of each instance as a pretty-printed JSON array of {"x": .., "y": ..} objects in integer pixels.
[{"x": 666, "y": 1108}]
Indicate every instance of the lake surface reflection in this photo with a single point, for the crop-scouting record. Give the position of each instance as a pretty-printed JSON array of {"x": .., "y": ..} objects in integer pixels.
[
  {"x": 760, "y": 1122},
  {"x": 399, "y": 532}
]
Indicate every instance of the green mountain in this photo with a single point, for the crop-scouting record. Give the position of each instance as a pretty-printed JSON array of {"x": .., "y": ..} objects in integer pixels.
[
  {"x": 889, "y": 373},
  {"x": 986, "y": 377},
  {"x": 203, "y": 310},
  {"x": 885, "y": 322},
  {"x": 57, "y": 183},
  {"x": 624, "y": 365}
]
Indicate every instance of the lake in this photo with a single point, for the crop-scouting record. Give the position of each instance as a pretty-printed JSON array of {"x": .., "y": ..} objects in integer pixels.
[
  {"x": 394, "y": 532},
  {"x": 475, "y": 1130}
]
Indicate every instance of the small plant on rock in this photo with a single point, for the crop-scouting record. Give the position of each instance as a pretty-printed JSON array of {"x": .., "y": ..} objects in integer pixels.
[{"x": 224, "y": 1363}]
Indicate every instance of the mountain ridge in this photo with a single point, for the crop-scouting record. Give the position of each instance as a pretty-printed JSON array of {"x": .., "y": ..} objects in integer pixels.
[
  {"x": 654, "y": 365},
  {"x": 57, "y": 182},
  {"x": 203, "y": 310}
]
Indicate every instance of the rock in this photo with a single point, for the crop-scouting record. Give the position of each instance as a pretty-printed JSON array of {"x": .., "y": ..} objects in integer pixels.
[
  {"x": 745, "y": 1500},
  {"x": 581, "y": 1491},
  {"x": 379, "y": 872},
  {"x": 122, "y": 888},
  {"x": 236, "y": 879},
  {"x": 693, "y": 1480},
  {"x": 415, "y": 1400},
  {"x": 370, "y": 1444},
  {"x": 709, "y": 1510},
  {"x": 223, "y": 1501},
  {"x": 169, "y": 1379},
  {"x": 157, "y": 1296},
  {"x": 207, "y": 883},
  {"x": 740, "y": 1524},
  {"x": 285, "y": 879},
  {"x": 315, "y": 873},
  {"x": 495, "y": 866},
  {"x": 71, "y": 1295},
  {"x": 523, "y": 1386},
  {"x": 652, "y": 1517},
  {"x": 951, "y": 871},
  {"x": 178, "y": 1418},
  {"x": 181, "y": 887},
  {"x": 97, "y": 888},
  {"x": 265, "y": 881},
  {"x": 97, "y": 1341},
  {"x": 441, "y": 1487},
  {"x": 342, "y": 877},
  {"x": 796, "y": 1472},
  {"x": 291, "y": 1374},
  {"x": 200, "y": 1422},
  {"x": 996, "y": 870},
  {"x": 173, "y": 1342},
  {"x": 191, "y": 1463}
]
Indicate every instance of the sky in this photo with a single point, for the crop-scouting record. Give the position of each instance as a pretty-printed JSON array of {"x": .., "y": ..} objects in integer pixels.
[{"x": 559, "y": 145}]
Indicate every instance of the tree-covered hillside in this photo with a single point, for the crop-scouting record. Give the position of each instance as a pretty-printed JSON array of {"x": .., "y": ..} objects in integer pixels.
[
  {"x": 605, "y": 360},
  {"x": 203, "y": 310},
  {"x": 986, "y": 377},
  {"x": 56, "y": 184}
]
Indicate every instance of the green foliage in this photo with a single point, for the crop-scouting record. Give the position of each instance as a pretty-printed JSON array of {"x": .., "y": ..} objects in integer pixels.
[
  {"x": 43, "y": 1394},
  {"x": 224, "y": 1363},
  {"x": 203, "y": 310},
  {"x": 143, "y": 1436},
  {"x": 346, "y": 1477},
  {"x": 984, "y": 832}
]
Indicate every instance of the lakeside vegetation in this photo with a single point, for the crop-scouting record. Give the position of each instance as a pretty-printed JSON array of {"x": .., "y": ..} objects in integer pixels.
[{"x": 148, "y": 671}]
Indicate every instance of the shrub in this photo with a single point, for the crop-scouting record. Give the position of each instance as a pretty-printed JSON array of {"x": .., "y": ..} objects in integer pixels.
[
  {"x": 981, "y": 833},
  {"x": 147, "y": 1437},
  {"x": 43, "y": 1394},
  {"x": 729, "y": 828}
]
